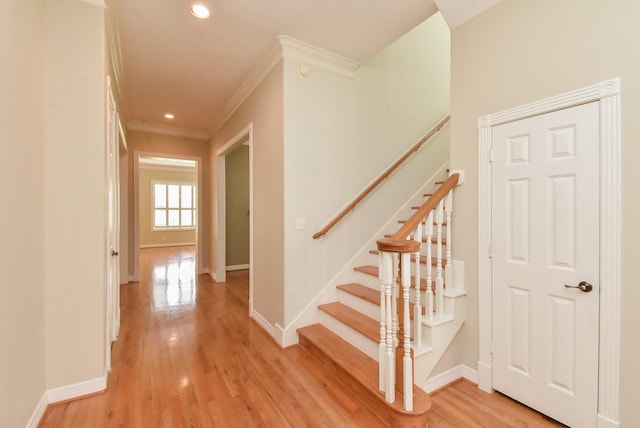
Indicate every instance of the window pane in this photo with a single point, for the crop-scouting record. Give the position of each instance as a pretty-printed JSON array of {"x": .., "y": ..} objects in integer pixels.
[
  {"x": 186, "y": 196},
  {"x": 160, "y": 195},
  {"x": 160, "y": 218},
  {"x": 174, "y": 196},
  {"x": 174, "y": 218},
  {"x": 185, "y": 219},
  {"x": 194, "y": 217},
  {"x": 193, "y": 188}
]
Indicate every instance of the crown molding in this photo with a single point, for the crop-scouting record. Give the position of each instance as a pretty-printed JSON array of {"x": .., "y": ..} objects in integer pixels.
[
  {"x": 287, "y": 47},
  {"x": 321, "y": 58},
  {"x": 99, "y": 3},
  {"x": 249, "y": 84},
  {"x": 156, "y": 128}
]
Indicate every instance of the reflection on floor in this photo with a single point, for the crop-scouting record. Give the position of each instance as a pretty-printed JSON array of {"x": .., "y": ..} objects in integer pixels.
[{"x": 173, "y": 278}]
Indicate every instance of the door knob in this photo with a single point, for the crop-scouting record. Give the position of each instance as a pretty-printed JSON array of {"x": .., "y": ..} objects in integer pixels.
[
  {"x": 582, "y": 286},
  {"x": 114, "y": 253}
]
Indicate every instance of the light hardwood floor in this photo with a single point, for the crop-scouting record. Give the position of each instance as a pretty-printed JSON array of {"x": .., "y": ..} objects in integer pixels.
[{"x": 188, "y": 355}]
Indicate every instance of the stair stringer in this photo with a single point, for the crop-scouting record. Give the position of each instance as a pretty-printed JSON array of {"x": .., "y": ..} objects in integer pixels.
[
  {"x": 311, "y": 314},
  {"x": 437, "y": 335}
]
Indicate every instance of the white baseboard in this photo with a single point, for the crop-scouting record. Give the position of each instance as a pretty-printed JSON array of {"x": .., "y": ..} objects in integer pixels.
[
  {"x": 274, "y": 331},
  {"x": 132, "y": 278},
  {"x": 77, "y": 390},
  {"x": 212, "y": 274},
  {"x": 451, "y": 375},
  {"x": 237, "y": 267},
  {"x": 173, "y": 244},
  {"x": 604, "y": 422},
  {"x": 38, "y": 412}
]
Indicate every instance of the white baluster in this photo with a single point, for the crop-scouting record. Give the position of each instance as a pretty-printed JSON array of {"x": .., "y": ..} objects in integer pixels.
[
  {"x": 383, "y": 324},
  {"x": 429, "y": 290},
  {"x": 387, "y": 276},
  {"x": 448, "y": 272},
  {"x": 417, "y": 305},
  {"x": 407, "y": 366},
  {"x": 439, "y": 277}
]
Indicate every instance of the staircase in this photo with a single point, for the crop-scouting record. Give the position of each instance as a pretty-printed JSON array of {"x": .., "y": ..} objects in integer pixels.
[{"x": 350, "y": 340}]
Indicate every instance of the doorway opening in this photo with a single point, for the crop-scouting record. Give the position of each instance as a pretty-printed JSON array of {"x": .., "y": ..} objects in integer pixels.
[
  {"x": 167, "y": 206},
  {"x": 234, "y": 161}
]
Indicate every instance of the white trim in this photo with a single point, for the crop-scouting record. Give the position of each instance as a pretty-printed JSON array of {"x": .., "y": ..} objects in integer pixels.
[
  {"x": 156, "y": 128},
  {"x": 453, "y": 374},
  {"x": 321, "y": 58},
  {"x": 99, "y": 3},
  {"x": 76, "y": 390},
  {"x": 238, "y": 267},
  {"x": 212, "y": 275},
  {"x": 255, "y": 77},
  {"x": 131, "y": 278},
  {"x": 608, "y": 94},
  {"x": 245, "y": 136},
  {"x": 136, "y": 208},
  {"x": 274, "y": 331},
  {"x": 176, "y": 244},
  {"x": 34, "y": 420}
]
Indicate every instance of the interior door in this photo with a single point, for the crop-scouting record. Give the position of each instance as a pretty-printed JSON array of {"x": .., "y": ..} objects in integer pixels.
[
  {"x": 545, "y": 275},
  {"x": 113, "y": 226}
]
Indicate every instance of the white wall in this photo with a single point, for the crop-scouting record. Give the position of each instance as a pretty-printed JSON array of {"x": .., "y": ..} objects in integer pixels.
[
  {"x": 340, "y": 134},
  {"x": 75, "y": 203},
  {"x": 526, "y": 50},
  {"x": 22, "y": 358}
]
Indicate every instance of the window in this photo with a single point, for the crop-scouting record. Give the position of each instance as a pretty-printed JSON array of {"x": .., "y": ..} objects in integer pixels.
[{"x": 174, "y": 206}]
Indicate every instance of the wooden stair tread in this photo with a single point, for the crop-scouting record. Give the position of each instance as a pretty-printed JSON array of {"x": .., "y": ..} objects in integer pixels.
[
  {"x": 434, "y": 240},
  {"x": 370, "y": 295},
  {"x": 373, "y": 271},
  {"x": 332, "y": 350},
  {"x": 361, "y": 291},
  {"x": 423, "y": 259},
  {"x": 368, "y": 327}
]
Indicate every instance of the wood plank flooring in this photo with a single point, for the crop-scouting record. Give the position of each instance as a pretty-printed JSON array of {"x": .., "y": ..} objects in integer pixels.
[{"x": 188, "y": 355}]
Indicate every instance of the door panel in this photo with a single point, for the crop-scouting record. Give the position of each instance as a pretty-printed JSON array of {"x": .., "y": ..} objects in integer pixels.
[{"x": 545, "y": 223}]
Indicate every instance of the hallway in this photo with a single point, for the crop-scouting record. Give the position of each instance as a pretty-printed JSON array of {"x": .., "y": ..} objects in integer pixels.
[{"x": 188, "y": 355}]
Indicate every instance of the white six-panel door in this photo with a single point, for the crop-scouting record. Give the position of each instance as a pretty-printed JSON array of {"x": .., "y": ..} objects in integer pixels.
[{"x": 544, "y": 227}]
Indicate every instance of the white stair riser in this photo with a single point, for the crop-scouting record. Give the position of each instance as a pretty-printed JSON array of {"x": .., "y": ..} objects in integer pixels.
[
  {"x": 352, "y": 336},
  {"x": 363, "y": 306}
]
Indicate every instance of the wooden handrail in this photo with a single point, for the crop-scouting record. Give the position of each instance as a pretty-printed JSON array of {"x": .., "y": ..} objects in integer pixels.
[
  {"x": 396, "y": 241},
  {"x": 383, "y": 176}
]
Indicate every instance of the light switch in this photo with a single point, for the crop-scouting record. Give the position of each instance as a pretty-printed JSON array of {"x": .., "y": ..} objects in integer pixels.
[{"x": 300, "y": 224}]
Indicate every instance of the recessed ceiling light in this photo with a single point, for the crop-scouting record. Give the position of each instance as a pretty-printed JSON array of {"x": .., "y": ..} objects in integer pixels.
[
  {"x": 169, "y": 116},
  {"x": 199, "y": 11}
]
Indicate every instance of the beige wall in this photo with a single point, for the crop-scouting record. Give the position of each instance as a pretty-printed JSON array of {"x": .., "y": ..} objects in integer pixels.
[
  {"x": 522, "y": 51},
  {"x": 74, "y": 203},
  {"x": 340, "y": 134},
  {"x": 22, "y": 358},
  {"x": 237, "y": 206},
  {"x": 145, "y": 143},
  {"x": 148, "y": 236},
  {"x": 264, "y": 109}
]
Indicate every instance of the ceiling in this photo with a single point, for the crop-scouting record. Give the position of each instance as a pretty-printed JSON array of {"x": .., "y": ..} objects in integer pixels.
[{"x": 166, "y": 60}]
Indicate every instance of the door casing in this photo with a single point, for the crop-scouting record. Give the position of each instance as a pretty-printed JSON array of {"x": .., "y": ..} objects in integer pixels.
[{"x": 607, "y": 93}]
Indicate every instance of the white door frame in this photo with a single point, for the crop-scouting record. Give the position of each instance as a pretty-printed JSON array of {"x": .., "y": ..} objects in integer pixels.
[
  {"x": 220, "y": 273},
  {"x": 607, "y": 93},
  {"x": 136, "y": 208}
]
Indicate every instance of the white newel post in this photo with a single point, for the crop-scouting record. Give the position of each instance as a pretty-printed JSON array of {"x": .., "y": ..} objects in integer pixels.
[
  {"x": 387, "y": 275},
  {"x": 383, "y": 324},
  {"x": 407, "y": 366}
]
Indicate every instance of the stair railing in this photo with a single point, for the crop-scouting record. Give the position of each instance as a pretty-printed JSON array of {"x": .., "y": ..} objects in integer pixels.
[
  {"x": 396, "y": 254},
  {"x": 352, "y": 205}
]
